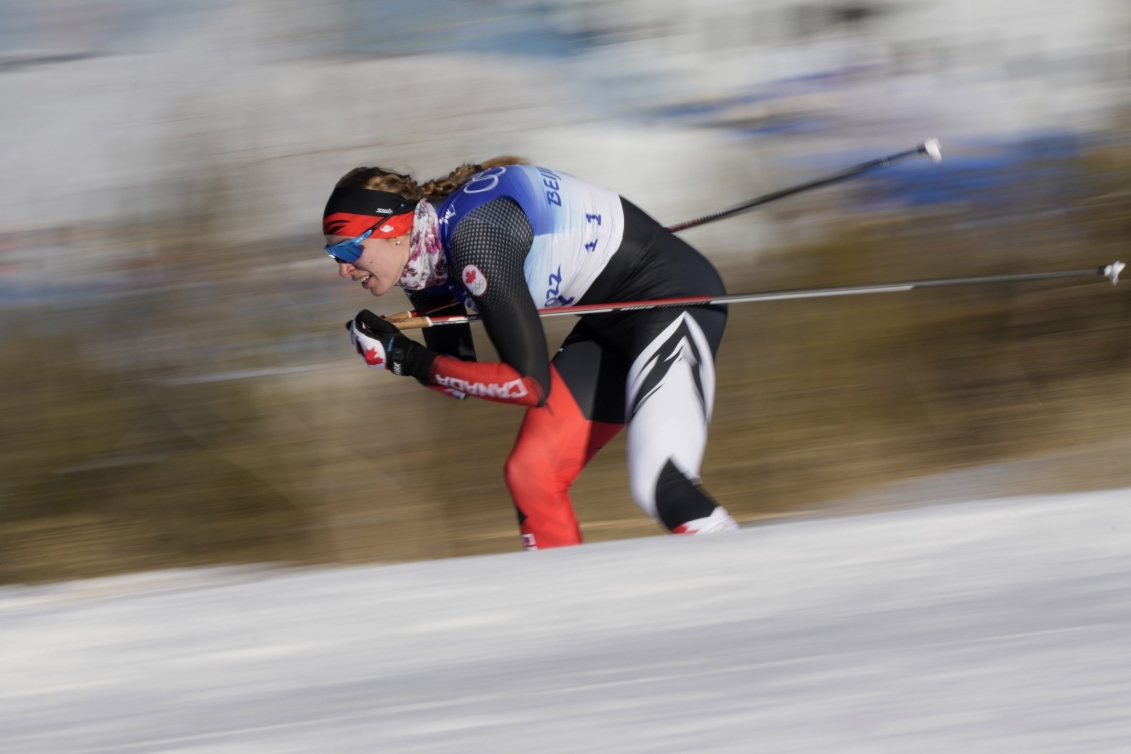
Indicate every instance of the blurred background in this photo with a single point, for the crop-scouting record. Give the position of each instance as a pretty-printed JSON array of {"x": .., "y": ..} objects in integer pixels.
[{"x": 176, "y": 385}]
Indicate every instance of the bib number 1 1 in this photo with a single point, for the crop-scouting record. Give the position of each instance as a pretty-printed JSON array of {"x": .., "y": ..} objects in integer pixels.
[{"x": 592, "y": 245}]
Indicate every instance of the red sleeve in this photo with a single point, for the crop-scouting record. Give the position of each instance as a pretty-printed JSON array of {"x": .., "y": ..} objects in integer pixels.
[
  {"x": 446, "y": 391},
  {"x": 494, "y": 381}
]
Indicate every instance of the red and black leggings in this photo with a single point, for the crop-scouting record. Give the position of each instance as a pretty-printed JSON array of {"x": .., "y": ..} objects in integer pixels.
[{"x": 653, "y": 371}]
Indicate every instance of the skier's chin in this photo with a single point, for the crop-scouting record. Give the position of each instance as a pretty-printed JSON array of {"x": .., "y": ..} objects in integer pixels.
[{"x": 376, "y": 287}]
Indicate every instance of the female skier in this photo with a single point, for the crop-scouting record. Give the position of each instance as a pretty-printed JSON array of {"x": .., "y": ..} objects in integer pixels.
[{"x": 504, "y": 239}]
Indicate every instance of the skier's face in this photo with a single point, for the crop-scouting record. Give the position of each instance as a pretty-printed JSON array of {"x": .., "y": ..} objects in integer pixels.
[{"x": 380, "y": 265}]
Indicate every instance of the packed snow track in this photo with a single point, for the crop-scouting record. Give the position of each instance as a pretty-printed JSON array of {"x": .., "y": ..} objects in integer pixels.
[{"x": 991, "y": 626}]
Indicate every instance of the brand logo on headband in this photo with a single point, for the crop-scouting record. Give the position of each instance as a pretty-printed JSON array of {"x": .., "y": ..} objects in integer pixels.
[{"x": 384, "y": 211}]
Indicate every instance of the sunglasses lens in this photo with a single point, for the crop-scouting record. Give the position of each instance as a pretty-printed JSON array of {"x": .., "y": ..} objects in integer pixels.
[{"x": 346, "y": 251}]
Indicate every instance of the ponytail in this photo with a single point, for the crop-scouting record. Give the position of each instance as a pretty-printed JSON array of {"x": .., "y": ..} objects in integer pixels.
[
  {"x": 405, "y": 185},
  {"x": 438, "y": 188}
]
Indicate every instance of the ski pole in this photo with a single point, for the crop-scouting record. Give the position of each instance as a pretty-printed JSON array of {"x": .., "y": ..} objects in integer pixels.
[
  {"x": 414, "y": 320},
  {"x": 930, "y": 147}
]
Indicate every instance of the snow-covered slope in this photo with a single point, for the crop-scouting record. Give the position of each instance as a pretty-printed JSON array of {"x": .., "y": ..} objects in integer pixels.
[{"x": 992, "y": 626}]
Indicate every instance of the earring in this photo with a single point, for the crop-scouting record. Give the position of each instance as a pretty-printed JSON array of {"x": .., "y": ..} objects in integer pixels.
[{"x": 398, "y": 242}]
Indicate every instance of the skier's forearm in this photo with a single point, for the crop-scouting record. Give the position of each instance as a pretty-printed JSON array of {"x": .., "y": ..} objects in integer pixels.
[{"x": 493, "y": 381}]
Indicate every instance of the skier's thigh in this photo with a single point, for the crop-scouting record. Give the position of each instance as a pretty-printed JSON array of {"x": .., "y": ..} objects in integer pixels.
[{"x": 595, "y": 375}]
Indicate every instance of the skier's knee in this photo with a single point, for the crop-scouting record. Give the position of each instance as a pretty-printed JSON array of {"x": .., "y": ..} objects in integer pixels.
[
  {"x": 529, "y": 472},
  {"x": 519, "y": 471}
]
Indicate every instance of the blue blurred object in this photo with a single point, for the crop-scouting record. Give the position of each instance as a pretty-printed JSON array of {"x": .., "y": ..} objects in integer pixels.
[
  {"x": 36, "y": 33},
  {"x": 1033, "y": 171},
  {"x": 440, "y": 26}
]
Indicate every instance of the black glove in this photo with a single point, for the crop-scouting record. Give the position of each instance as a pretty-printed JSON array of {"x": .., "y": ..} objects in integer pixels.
[{"x": 383, "y": 346}]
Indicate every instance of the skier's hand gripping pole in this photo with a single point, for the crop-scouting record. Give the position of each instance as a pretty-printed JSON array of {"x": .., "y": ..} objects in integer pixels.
[{"x": 379, "y": 342}]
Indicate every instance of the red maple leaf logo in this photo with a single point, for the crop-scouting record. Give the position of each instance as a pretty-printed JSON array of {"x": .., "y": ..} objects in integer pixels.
[
  {"x": 371, "y": 357},
  {"x": 469, "y": 277}
]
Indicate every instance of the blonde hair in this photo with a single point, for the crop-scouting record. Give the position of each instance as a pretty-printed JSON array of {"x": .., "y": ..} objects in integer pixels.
[{"x": 406, "y": 186}]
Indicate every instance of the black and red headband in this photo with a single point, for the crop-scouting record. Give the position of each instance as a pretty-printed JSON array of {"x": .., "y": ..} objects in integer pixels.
[{"x": 352, "y": 211}]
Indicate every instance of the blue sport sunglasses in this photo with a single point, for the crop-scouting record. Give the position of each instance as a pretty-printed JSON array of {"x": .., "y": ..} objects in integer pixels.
[{"x": 349, "y": 251}]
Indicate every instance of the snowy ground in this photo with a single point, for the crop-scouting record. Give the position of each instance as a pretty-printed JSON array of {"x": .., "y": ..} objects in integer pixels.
[{"x": 993, "y": 626}]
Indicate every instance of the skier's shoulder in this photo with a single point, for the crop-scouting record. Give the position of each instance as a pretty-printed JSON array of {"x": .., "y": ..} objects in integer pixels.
[{"x": 490, "y": 229}]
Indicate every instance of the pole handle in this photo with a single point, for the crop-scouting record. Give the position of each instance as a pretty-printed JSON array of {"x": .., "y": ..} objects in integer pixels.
[
  {"x": 408, "y": 320},
  {"x": 416, "y": 323}
]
